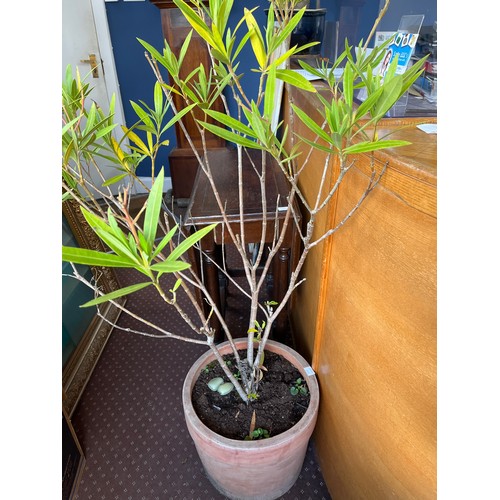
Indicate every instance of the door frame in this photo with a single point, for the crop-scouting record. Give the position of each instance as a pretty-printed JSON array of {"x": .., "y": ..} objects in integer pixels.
[{"x": 108, "y": 60}]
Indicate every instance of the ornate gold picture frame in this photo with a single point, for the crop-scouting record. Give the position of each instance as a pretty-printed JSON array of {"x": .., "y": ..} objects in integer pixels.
[{"x": 79, "y": 367}]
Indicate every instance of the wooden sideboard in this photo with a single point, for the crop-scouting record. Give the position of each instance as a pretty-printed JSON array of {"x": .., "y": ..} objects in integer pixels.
[{"x": 366, "y": 319}]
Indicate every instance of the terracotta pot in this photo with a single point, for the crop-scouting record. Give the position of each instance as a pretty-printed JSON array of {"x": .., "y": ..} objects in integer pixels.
[{"x": 263, "y": 469}]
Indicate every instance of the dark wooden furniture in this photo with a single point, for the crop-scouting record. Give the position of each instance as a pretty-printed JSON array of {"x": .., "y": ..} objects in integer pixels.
[
  {"x": 203, "y": 210},
  {"x": 182, "y": 161}
]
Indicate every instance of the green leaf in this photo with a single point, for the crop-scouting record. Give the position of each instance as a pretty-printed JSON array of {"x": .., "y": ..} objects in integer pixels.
[
  {"x": 91, "y": 117},
  {"x": 174, "y": 266},
  {"x": 295, "y": 79},
  {"x": 105, "y": 131},
  {"x": 368, "y": 103},
  {"x": 229, "y": 136},
  {"x": 348, "y": 80},
  {"x": 311, "y": 124},
  {"x": 390, "y": 94},
  {"x": 256, "y": 122},
  {"x": 158, "y": 98},
  {"x": 364, "y": 147},
  {"x": 94, "y": 258},
  {"x": 178, "y": 116},
  {"x": 185, "y": 46},
  {"x": 269, "y": 96},
  {"x": 142, "y": 114},
  {"x": 156, "y": 55},
  {"x": 256, "y": 39},
  {"x": 136, "y": 140},
  {"x": 316, "y": 145},
  {"x": 241, "y": 45},
  {"x": 178, "y": 283},
  {"x": 117, "y": 293},
  {"x": 70, "y": 124},
  {"x": 113, "y": 239},
  {"x": 230, "y": 122},
  {"x": 196, "y": 22},
  {"x": 286, "y": 30},
  {"x": 152, "y": 213},
  {"x": 190, "y": 241},
  {"x": 114, "y": 180},
  {"x": 166, "y": 239},
  {"x": 284, "y": 57}
]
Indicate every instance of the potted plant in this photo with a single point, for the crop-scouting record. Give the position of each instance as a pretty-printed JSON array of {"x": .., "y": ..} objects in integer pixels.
[{"x": 157, "y": 246}]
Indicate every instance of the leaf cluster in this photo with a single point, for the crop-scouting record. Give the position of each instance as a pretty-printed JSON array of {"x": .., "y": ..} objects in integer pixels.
[
  {"x": 299, "y": 387},
  {"x": 136, "y": 249}
]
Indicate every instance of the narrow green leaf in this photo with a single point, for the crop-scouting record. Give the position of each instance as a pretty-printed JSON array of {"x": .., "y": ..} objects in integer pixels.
[
  {"x": 295, "y": 79},
  {"x": 114, "y": 242},
  {"x": 230, "y": 122},
  {"x": 115, "y": 228},
  {"x": 229, "y": 136},
  {"x": 256, "y": 40},
  {"x": 116, "y": 294},
  {"x": 311, "y": 124},
  {"x": 316, "y": 145},
  {"x": 166, "y": 239},
  {"x": 94, "y": 221},
  {"x": 286, "y": 31},
  {"x": 149, "y": 137},
  {"x": 91, "y": 117},
  {"x": 178, "y": 283},
  {"x": 158, "y": 98},
  {"x": 284, "y": 57},
  {"x": 136, "y": 140},
  {"x": 196, "y": 22},
  {"x": 142, "y": 114},
  {"x": 364, "y": 147},
  {"x": 178, "y": 116},
  {"x": 94, "y": 258},
  {"x": 114, "y": 180},
  {"x": 191, "y": 240},
  {"x": 390, "y": 94},
  {"x": 368, "y": 103},
  {"x": 67, "y": 154},
  {"x": 256, "y": 122},
  {"x": 184, "y": 48},
  {"x": 348, "y": 79},
  {"x": 106, "y": 234},
  {"x": 153, "y": 207},
  {"x": 269, "y": 96},
  {"x": 156, "y": 55},
  {"x": 242, "y": 44},
  {"x": 70, "y": 124},
  {"x": 105, "y": 131},
  {"x": 168, "y": 266}
]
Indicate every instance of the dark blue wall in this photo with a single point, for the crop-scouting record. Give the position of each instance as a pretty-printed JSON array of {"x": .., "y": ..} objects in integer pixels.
[{"x": 127, "y": 22}]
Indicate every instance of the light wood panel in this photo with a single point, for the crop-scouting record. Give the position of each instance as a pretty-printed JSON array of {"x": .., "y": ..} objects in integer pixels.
[
  {"x": 375, "y": 335},
  {"x": 377, "y": 351},
  {"x": 307, "y": 295}
]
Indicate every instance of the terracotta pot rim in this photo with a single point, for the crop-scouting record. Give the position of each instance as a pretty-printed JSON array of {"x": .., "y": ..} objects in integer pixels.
[{"x": 274, "y": 441}]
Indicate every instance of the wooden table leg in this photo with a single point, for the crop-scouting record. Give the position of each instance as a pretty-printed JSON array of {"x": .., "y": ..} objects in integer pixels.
[
  {"x": 281, "y": 266},
  {"x": 210, "y": 255}
]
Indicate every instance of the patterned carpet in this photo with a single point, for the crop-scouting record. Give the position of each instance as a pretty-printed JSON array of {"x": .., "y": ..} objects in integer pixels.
[{"x": 130, "y": 422}]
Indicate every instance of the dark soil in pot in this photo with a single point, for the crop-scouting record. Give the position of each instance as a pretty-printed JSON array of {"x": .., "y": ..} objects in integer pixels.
[{"x": 276, "y": 408}]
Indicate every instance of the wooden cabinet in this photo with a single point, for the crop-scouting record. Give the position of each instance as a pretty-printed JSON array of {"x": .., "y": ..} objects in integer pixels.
[
  {"x": 182, "y": 161},
  {"x": 366, "y": 317}
]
